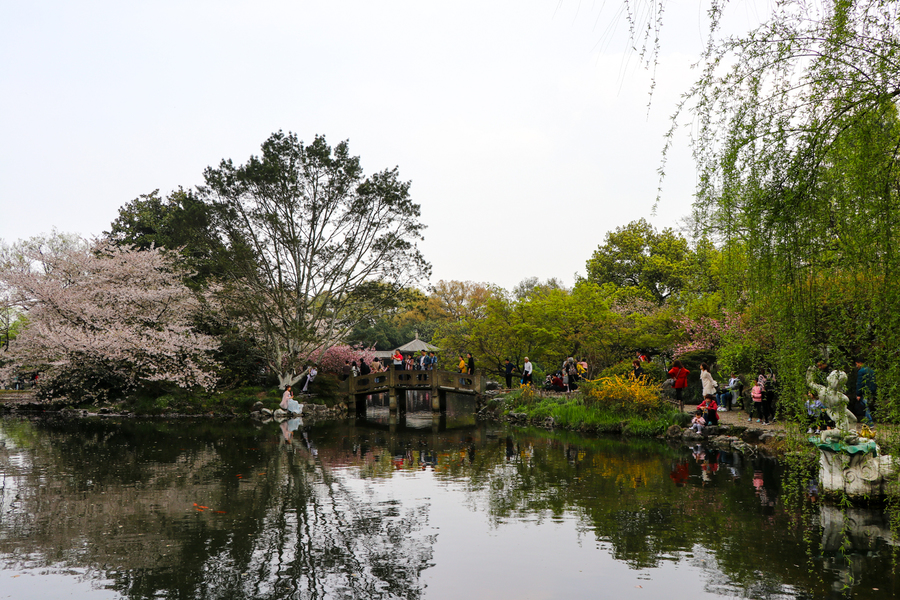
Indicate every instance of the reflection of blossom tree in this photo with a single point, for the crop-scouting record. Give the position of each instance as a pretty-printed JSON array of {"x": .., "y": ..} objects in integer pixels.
[{"x": 124, "y": 508}]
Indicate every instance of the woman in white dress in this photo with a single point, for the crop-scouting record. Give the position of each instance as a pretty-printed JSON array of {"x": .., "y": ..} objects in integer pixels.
[{"x": 288, "y": 403}]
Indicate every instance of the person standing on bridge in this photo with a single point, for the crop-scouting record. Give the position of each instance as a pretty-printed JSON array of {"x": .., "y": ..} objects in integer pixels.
[
  {"x": 470, "y": 367},
  {"x": 462, "y": 364}
]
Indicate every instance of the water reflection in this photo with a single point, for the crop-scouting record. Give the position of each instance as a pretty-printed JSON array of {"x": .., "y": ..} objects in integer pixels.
[
  {"x": 205, "y": 509},
  {"x": 418, "y": 413}
]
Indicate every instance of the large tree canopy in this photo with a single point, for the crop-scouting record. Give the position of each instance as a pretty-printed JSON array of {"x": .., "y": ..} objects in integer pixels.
[
  {"x": 640, "y": 257},
  {"x": 180, "y": 222},
  {"x": 317, "y": 245}
]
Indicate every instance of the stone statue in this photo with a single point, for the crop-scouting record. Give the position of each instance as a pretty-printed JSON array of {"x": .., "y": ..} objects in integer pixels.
[
  {"x": 857, "y": 468},
  {"x": 835, "y": 402}
]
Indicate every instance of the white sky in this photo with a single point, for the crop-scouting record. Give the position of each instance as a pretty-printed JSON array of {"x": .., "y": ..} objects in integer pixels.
[{"x": 522, "y": 124}]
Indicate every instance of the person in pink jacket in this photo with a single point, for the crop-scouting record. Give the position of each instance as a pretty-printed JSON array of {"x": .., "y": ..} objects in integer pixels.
[{"x": 756, "y": 394}]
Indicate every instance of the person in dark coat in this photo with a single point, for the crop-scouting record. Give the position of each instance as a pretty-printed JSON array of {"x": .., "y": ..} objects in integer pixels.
[{"x": 508, "y": 371}]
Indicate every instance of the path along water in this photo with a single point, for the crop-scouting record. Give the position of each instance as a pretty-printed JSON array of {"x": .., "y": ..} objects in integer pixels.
[{"x": 128, "y": 508}]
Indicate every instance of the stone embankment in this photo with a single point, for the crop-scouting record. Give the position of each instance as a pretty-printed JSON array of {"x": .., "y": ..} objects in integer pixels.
[
  {"x": 15, "y": 400},
  {"x": 731, "y": 437},
  {"x": 308, "y": 410}
]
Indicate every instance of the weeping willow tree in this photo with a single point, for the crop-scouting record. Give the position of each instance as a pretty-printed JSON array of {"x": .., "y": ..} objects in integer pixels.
[{"x": 797, "y": 138}]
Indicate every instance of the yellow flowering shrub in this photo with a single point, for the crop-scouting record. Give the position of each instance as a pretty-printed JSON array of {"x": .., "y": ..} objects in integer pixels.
[
  {"x": 528, "y": 395},
  {"x": 625, "y": 395}
]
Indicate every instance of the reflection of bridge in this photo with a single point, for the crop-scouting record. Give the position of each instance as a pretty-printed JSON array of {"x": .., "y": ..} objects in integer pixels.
[{"x": 397, "y": 383}]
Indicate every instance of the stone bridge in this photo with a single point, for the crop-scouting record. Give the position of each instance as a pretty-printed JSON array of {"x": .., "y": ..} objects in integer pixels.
[{"x": 397, "y": 383}]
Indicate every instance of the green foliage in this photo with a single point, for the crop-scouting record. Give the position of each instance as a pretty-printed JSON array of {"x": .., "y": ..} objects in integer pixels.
[
  {"x": 742, "y": 354},
  {"x": 395, "y": 321},
  {"x": 599, "y": 324},
  {"x": 654, "y": 372},
  {"x": 637, "y": 256},
  {"x": 182, "y": 222},
  {"x": 91, "y": 380},
  {"x": 326, "y": 389},
  {"x": 798, "y": 144},
  {"x": 233, "y": 401},
  {"x": 573, "y": 412},
  {"x": 682, "y": 419},
  {"x": 12, "y": 321}
]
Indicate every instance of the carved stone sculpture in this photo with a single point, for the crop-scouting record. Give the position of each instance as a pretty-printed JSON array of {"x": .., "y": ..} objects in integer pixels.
[{"x": 834, "y": 400}]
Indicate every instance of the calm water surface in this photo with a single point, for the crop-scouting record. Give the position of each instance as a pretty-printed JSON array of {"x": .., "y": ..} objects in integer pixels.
[{"x": 446, "y": 509}]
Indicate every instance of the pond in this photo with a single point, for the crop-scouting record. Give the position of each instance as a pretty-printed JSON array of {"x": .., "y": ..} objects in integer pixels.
[{"x": 428, "y": 508}]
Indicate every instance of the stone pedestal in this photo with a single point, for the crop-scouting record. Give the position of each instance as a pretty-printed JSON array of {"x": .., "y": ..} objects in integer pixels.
[{"x": 860, "y": 475}]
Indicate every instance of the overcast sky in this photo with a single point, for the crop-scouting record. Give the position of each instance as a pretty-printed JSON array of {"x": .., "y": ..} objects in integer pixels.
[{"x": 523, "y": 125}]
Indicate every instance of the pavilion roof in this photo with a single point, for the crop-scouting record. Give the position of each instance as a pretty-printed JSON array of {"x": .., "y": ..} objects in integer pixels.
[{"x": 418, "y": 345}]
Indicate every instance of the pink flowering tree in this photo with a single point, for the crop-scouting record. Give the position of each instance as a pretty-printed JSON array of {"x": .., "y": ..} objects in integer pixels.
[
  {"x": 102, "y": 320},
  {"x": 332, "y": 359},
  {"x": 706, "y": 333}
]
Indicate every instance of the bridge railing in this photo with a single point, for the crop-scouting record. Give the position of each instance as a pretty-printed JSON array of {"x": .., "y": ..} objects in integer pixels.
[{"x": 374, "y": 383}]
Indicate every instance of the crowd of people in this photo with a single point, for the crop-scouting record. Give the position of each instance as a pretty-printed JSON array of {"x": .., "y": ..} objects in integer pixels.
[
  {"x": 760, "y": 401},
  {"x": 723, "y": 397},
  {"x": 424, "y": 361},
  {"x": 566, "y": 378}
]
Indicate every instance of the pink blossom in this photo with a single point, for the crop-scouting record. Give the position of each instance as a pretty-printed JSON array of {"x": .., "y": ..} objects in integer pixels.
[{"x": 100, "y": 303}]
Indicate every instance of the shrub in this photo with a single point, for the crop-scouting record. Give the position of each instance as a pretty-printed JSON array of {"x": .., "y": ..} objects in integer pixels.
[
  {"x": 654, "y": 371},
  {"x": 682, "y": 419},
  {"x": 626, "y": 396}
]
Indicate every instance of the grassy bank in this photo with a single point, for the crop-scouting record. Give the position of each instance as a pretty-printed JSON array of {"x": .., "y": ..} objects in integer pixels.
[
  {"x": 609, "y": 405},
  {"x": 150, "y": 402}
]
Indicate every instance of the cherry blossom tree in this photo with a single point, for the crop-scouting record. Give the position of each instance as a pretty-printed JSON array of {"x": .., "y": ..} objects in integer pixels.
[
  {"x": 333, "y": 357},
  {"x": 102, "y": 319}
]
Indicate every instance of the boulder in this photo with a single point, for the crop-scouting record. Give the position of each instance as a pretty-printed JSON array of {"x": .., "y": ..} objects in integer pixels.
[
  {"x": 751, "y": 436},
  {"x": 673, "y": 431},
  {"x": 492, "y": 385},
  {"x": 724, "y": 442},
  {"x": 743, "y": 447},
  {"x": 257, "y": 406}
]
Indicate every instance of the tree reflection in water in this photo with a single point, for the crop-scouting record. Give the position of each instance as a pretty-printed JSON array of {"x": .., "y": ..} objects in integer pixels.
[
  {"x": 206, "y": 509},
  {"x": 141, "y": 504}
]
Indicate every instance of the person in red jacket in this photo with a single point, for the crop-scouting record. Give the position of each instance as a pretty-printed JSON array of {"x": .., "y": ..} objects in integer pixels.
[
  {"x": 710, "y": 408},
  {"x": 679, "y": 375}
]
